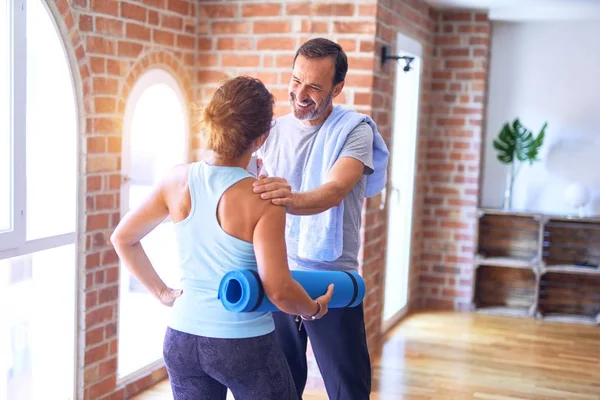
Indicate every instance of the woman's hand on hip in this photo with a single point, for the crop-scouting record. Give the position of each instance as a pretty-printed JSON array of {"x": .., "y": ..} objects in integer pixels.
[{"x": 167, "y": 296}]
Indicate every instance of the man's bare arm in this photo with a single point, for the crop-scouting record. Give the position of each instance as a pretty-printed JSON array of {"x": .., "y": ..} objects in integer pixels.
[{"x": 343, "y": 176}]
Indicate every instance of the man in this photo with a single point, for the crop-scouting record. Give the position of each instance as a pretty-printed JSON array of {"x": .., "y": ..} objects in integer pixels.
[{"x": 339, "y": 339}]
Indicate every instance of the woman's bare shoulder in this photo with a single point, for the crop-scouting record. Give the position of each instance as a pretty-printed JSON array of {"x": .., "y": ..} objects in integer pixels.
[{"x": 244, "y": 194}]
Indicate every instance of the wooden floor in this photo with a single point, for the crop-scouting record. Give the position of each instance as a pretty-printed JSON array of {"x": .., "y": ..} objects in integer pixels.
[{"x": 439, "y": 356}]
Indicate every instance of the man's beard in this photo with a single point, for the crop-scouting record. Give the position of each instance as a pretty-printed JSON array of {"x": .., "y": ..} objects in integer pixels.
[{"x": 314, "y": 112}]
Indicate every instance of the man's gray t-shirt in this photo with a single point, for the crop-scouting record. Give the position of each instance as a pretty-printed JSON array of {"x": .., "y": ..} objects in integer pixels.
[{"x": 285, "y": 154}]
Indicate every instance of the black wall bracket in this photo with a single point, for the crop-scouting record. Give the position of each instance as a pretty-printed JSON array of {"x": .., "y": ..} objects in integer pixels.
[{"x": 385, "y": 55}]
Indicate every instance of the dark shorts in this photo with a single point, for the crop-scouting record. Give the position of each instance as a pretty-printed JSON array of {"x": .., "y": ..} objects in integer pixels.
[{"x": 204, "y": 368}]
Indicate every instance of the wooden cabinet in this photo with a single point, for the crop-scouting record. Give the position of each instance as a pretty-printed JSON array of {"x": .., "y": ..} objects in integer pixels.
[{"x": 537, "y": 265}]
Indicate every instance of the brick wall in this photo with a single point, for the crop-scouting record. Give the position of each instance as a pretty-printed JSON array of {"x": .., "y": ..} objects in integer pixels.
[
  {"x": 260, "y": 39},
  {"x": 416, "y": 20},
  {"x": 457, "y": 99}
]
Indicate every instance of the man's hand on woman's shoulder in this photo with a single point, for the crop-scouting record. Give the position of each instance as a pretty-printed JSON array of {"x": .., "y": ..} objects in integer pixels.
[{"x": 278, "y": 190}]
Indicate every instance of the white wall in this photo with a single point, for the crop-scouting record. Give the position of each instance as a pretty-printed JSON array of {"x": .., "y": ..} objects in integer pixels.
[{"x": 546, "y": 71}]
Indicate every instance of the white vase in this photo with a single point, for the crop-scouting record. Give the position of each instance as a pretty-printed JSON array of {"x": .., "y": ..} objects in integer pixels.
[
  {"x": 577, "y": 195},
  {"x": 508, "y": 192}
]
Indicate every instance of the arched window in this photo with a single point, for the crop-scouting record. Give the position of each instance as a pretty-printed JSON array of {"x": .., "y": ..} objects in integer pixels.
[
  {"x": 38, "y": 206},
  {"x": 155, "y": 139}
]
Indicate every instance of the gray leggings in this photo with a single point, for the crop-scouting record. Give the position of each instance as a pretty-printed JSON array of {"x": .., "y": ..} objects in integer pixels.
[{"x": 203, "y": 368}]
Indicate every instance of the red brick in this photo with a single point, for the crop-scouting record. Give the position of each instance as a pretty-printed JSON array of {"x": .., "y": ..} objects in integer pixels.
[
  {"x": 105, "y": 202},
  {"x": 354, "y": 27},
  {"x": 136, "y": 31},
  {"x": 479, "y": 17},
  {"x": 309, "y": 26},
  {"x": 278, "y": 27},
  {"x": 103, "y": 387},
  {"x": 94, "y": 336},
  {"x": 153, "y": 17},
  {"x": 261, "y": 10},
  {"x": 273, "y": 43},
  {"x": 234, "y": 44},
  {"x": 114, "y": 144},
  {"x": 179, "y": 6},
  {"x": 107, "y": 125},
  {"x": 186, "y": 42},
  {"x": 211, "y": 76},
  {"x": 360, "y": 63},
  {"x": 218, "y": 11},
  {"x": 106, "y": 7},
  {"x": 455, "y": 52},
  {"x": 98, "y": 316},
  {"x": 303, "y": 8},
  {"x": 114, "y": 67},
  {"x": 240, "y": 60},
  {"x": 363, "y": 81},
  {"x": 349, "y": 45},
  {"x": 447, "y": 40},
  {"x": 109, "y": 26},
  {"x": 98, "y": 65},
  {"x": 129, "y": 49},
  {"x": 105, "y": 105},
  {"x": 458, "y": 16},
  {"x": 154, "y": 3},
  {"x": 100, "y": 45},
  {"x": 135, "y": 12},
  {"x": 93, "y": 183},
  {"x": 268, "y": 78},
  {"x": 97, "y": 221},
  {"x": 367, "y": 10},
  {"x": 219, "y": 28},
  {"x": 363, "y": 98},
  {"x": 163, "y": 37},
  {"x": 333, "y": 9},
  {"x": 284, "y": 60},
  {"x": 459, "y": 64},
  {"x": 96, "y": 144},
  {"x": 106, "y": 86},
  {"x": 442, "y": 75},
  {"x": 171, "y": 22},
  {"x": 109, "y": 294},
  {"x": 86, "y": 23},
  {"x": 367, "y": 46},
  {"x": 479, "y": 41},
  {"x": 205, "y": 44}
]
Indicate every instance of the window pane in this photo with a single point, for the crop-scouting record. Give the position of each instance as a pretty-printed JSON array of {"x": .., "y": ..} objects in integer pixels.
[
  {"x": 157, "y": 143},
  {"x": 37, "y": 330},
  {"x": 5, "y": 126},
  {"x": 51, "y": 130}
]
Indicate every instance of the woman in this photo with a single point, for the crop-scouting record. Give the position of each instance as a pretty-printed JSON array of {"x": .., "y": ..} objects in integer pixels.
[{"x": 221, "y": 225}]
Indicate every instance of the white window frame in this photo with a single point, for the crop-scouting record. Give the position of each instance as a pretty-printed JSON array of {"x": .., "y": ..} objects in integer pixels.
[
  {"x": 13, "y": 243},
  {"x": 14, "y": 237}
]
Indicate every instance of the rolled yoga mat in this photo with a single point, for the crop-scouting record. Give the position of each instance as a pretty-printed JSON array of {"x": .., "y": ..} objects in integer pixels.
[{"x": 242, "y": 290}]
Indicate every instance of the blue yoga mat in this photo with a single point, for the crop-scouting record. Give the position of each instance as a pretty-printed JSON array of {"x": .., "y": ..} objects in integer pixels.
[{"x": 242, "y": 290}]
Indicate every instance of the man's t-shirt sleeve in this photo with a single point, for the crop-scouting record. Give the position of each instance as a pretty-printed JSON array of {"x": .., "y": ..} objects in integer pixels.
[{"x": 359, "y": 145}]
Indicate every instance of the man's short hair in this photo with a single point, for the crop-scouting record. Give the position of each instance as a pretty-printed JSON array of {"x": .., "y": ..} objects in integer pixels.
[{"x": 320, "y": 48}]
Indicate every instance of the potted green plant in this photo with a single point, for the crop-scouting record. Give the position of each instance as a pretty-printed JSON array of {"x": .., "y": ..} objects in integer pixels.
[{"x": 517, "y": 145}]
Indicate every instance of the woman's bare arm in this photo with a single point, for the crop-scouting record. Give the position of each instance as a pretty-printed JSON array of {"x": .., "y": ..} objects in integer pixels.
[
  {"x": 271, "y": 255},
  {"x": 129, "y": 232}
]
